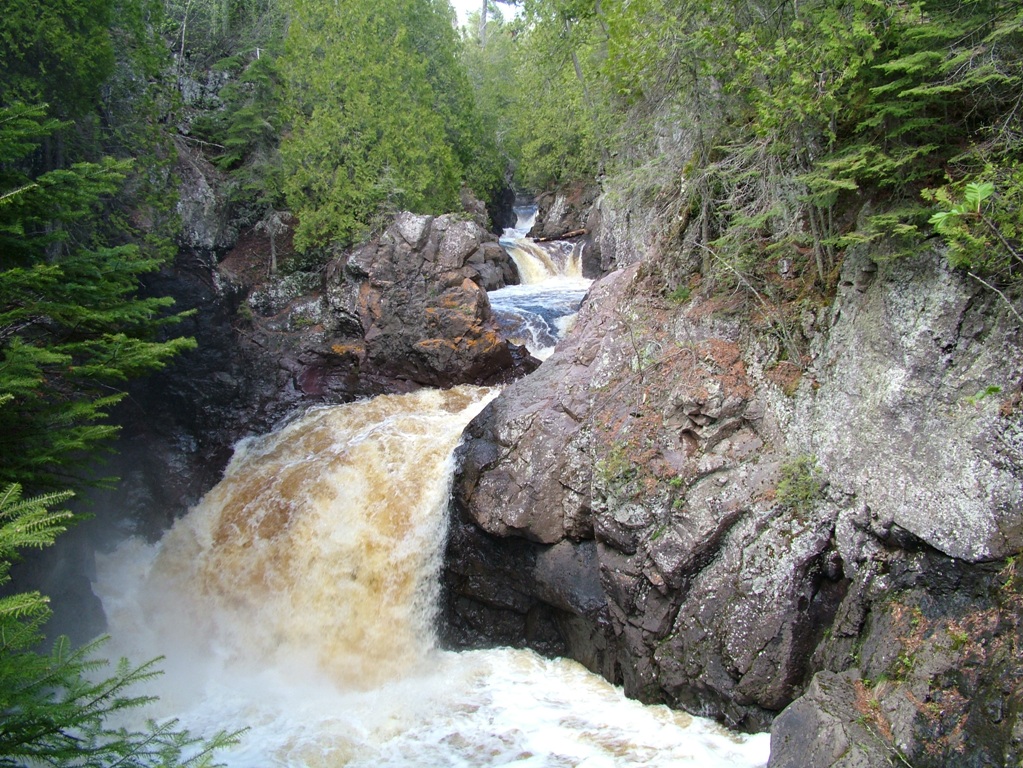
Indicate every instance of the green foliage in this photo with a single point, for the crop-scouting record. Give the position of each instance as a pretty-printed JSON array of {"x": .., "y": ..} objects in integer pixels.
[
  {"x": 540, "y": 94},
  {"x": 97, "y": 63},
  {"x": 58, "y": 52},
  {"x": 380, "y": 115},
  {"x": 801, "y": 485},
  {"x": 72, "y": 328},
  {"x": 988, "y": 391},
  {"x": 238, "y": 129},
  {"x": 55, "y": 712},
  {"x": 982, "y": 224},
  {"x": 26, "y": 523},
  {"x": 98, "y": 66},
  {"x": 615, "y": 467},
  {"x": 680, "y": 295},
  {"x": 244, "y": 133},
  {"x": 762, "y": 128},
  {"x": 559, "y": 119},
  {"x": 204, "y": 32},
  {"x": 490, "y": 70},
  {"x": 974, "y": 196},
  {"x": 251, "y": 117}
]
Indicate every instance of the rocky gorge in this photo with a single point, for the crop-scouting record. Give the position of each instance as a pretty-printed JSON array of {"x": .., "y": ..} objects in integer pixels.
[{"x": 820, "y": 544}]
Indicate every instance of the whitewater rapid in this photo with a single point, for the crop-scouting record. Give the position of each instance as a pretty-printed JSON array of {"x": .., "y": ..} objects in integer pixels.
[
  {"x": 541, "y": 309},
  {"x": 299, "y": 601}
]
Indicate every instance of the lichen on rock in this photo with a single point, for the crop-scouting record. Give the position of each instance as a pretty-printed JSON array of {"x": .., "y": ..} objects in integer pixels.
[{"x": 751, "y": 531}]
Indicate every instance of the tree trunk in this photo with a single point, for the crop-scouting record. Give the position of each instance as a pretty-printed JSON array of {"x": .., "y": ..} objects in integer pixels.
[{"x": 563, "y": 236}]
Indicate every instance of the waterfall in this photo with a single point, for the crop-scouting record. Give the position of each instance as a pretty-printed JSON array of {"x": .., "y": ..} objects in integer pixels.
[
  {"x": 538, "y": 312},
  {"x": 298, "y": 600},
  {"x": 320, "y": 544},
  {"x": 540, "y": 262}
]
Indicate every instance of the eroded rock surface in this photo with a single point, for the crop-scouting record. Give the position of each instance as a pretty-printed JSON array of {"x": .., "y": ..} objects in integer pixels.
[
  {"x": 908, "y": 411},
  {"x": 754, "y": 523},
  {"x": 415, "y": 301}
]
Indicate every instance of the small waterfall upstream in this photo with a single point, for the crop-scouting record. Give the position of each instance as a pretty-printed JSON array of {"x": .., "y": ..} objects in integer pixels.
[
  {"x": 299, "y": 599},
  {"x": 539, "y": 262},
  {"x": 539, "y": 311}
]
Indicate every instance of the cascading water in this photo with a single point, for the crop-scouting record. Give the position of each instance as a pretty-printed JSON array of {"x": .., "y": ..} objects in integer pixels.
[
  {"x": 539, "y": 262},
  {"x": 298, "y": 600},
  {"x": 537, "y": 312}
]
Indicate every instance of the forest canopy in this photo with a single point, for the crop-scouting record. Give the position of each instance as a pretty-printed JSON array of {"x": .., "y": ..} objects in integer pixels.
[
  {"x": 802, "y": 128},
  {"x": 380, "y": 116}
]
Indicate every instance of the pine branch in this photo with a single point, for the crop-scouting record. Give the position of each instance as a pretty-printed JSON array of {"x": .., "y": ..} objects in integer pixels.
[{"x": 1004, "y": 298}]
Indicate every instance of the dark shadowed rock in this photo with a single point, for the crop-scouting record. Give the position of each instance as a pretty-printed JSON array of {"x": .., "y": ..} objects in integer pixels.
[{"x": 818, "y": 732}]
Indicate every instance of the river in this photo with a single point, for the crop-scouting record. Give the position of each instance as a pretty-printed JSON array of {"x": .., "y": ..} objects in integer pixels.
[
  {"x": 299, "y": 600},
  {"x": 539, "y": 311}
]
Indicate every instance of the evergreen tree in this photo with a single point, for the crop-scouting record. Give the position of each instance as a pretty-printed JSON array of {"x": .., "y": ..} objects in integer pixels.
[
  {"x": 491, "y": 69},
  {"x": 561, "y": 120},
  {"x": 58, "y": 52},
  {"x": 380, "y": 116},
  {"x": 72, "y": 327},
  {"x": 55, "y": 712},
  {"x": 790, "y": 118}
]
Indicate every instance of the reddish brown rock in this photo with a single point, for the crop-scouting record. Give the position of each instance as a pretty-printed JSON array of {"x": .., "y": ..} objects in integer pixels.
[{"x": 422, "y": 304}]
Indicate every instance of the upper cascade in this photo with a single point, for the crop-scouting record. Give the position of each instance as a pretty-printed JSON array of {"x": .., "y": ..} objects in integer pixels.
[
  {"x": 539, "y": 262},
  {"x": 538, "y": 311}
]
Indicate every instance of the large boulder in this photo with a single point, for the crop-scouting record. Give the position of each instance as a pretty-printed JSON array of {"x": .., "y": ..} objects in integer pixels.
[
  {"x": 416, "y": 298},
  {"x": 563, "y": 210},
  {"x": 750, "y": 518}
]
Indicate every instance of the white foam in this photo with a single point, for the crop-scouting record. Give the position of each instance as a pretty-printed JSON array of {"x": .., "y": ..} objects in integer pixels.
[{"x": 249, "y": 599}]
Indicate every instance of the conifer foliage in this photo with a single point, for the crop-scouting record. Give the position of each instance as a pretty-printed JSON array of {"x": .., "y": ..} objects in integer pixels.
[
  {"x": 782, "y": 130},
  {"x": 380, "y": 116},
  {"x": 56, "y": 709},
  {"x": 72, "y": 327}
]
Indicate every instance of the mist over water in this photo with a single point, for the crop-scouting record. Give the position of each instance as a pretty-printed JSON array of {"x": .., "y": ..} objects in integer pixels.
[{"x": 299, "y": 600}]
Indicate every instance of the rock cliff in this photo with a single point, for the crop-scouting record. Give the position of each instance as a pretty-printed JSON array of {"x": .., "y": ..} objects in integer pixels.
[
  {"x": 406, "y": 309},
  {"x": 677, "y": 503}
]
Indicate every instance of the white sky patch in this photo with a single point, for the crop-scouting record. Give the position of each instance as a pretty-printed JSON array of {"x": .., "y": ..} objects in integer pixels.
[{"x": 464, "y": 7}]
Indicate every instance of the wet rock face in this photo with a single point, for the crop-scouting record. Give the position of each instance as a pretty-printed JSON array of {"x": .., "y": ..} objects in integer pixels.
[
  {"x": 753, "y": 532},
  {"x": 407, "y": 310},
  {"x": 526, "y": 468},
  {"x": 205, "y": 221},
  {"x": 816, "y": 731},
  {"x": 502, "y": 210},
  {"x": 936, "y": 681},
  {"x": 417, "y": 296},
  {"x": 574, "y": 210}
]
